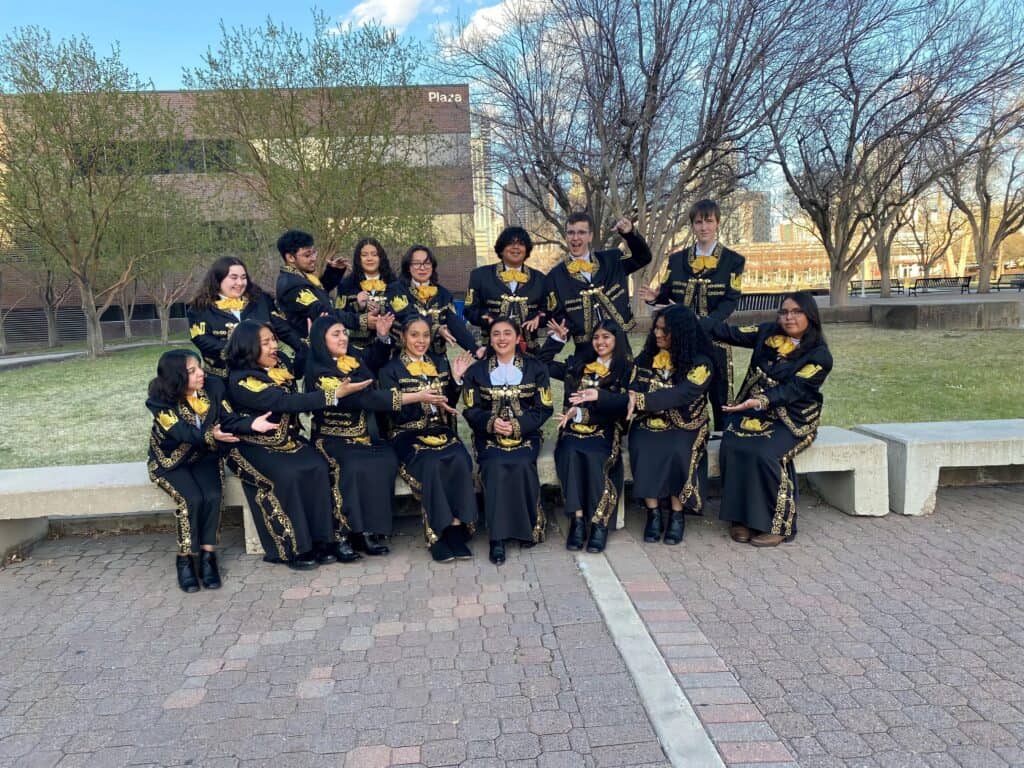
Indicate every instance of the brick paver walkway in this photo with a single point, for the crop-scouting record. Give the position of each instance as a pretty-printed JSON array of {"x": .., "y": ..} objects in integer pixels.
[{"x": 872, "y": 642}]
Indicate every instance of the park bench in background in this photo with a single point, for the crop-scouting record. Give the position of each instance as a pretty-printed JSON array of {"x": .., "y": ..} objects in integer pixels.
[
  {"x": 846, "y": 468},
  {"x": 1009, "y": 282},
  {"x": 875, "y": 286},
  {"x": 918, "y": 451},
  {"x": 926, "y": 284},
  {"x": 759, "y": 301}
]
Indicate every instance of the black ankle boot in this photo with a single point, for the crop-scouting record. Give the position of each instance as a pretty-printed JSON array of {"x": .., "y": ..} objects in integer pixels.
[
  {"x": 598, "y": 538},
  {"x": 497, "y": 555},
  {"x": 187, "y": 573},
  {"x": 577, "y": 533},
  {"x": 676, "y": 527},
  {"x": 344, "y": 553},
  {"x": 372, "y": 544},
  {"x": 208, "y": 571},
  {"x": 457, "y": 538},
  {"x": 652, "y": 531}
]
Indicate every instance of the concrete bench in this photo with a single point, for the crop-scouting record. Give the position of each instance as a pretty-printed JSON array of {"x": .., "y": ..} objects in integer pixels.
[
  {"x": 847, "y": 469},
  {"x": 918, "y": 451}
]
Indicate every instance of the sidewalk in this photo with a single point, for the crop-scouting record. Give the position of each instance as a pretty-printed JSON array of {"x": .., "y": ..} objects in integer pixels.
[{"x": 868, "y": 642}]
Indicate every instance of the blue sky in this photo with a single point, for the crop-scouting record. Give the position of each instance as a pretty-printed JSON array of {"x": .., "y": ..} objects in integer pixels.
[{"x": 158, "y": 40}]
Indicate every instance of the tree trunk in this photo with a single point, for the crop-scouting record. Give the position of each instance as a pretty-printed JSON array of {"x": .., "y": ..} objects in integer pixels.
[
  {"x": 93, "y": 329},
  {"x": 164, "y": 313},
  {"x": 127, "y": 310},
  {"x": 838, "y": 285},
  {"x": 52, "y": 331},
  {"x": 883, "y": 255},
  {"x": 3, "y": 335}
]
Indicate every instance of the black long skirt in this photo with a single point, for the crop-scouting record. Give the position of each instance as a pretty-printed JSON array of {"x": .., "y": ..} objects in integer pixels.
[
  {"x": 289, "y": 495},
  {"x": 512, "y": 507},
  {"x": 197, "y": 489},
  {"x": 670, "y": 462},
  {"x": 590, "y": 471},
  {"x": 442, "y": 480},
  {"x": 759, "y": 487},
  {"x": 365, "y": 477}
]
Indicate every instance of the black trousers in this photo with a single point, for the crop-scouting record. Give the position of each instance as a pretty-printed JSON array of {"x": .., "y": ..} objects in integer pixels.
[
  {"x": 720, "y": 391},
  {"x": 198, "y": 490}
]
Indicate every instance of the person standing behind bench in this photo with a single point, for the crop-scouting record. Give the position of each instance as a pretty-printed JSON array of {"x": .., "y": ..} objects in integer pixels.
[
  {"x": 226, "y": 297},
  {"x": 288, "y": 484},
  {"x": 508, "y": 289},
  {"x": 300, "y": 294},
  {"x": 776, "y": 416},
  {"x": 363, "y": 290},
  {"x": 705, "y": 278},
  {"x": 191, "y": 425},
  {"x": 586, "y": 288}
]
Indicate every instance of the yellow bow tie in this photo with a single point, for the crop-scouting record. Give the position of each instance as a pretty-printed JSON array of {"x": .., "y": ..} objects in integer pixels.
[
  {"x": 782, "y": 344},
  {"x": 198, "y": 404},
  {"x": 372, "y": 286},
  {"x": 229, "y": 304},
  {"x": 702, "y": 263},
  {"x": 347, "y": 363},
  {"x": 280, "y": 375},
  {"x": 662, "y": 361},
  {"x": 579, "y": 265},
  {"x": 425, "y": 368},
  {"x": 599, "y": 369},
  {"x": 426, "y": 292},
  {"x": 314, "y": 280},
  {"x": 513, "y": 275}
]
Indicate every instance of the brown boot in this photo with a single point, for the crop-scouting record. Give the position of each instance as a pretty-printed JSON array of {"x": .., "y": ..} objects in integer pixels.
[
  {"x": 739, "y": 533},
  {"x": 768, "y": 539}
]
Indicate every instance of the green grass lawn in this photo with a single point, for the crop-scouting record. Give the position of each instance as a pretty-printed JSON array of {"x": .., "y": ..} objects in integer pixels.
[{"x": 93, "y": 411}]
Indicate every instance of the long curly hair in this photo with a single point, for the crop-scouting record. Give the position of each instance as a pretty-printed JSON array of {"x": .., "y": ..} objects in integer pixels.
[
  {"x": 687, "y": 340},
  {"x": 622, "y": 355},
  {"x": 171, "y": 382},
  {"x": 209, "y": 289},
  {"x": 359, "y": 274}
]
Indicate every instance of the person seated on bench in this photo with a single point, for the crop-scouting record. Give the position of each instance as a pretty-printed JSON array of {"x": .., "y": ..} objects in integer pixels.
[
  {"x": 287, "y": 482},
  {"x": 190, "y": 428},
  {"x": 775, "y": 416},
  {"x": 432, "y": 458},
  {"x": 668, "y": 402},
  {"x": 363, "y": 469},
  {"x": 588, "y": 454},
  {"x": 507, "y": 398}
]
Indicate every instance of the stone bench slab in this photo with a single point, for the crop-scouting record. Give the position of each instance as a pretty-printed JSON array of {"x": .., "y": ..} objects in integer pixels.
[{"x": 918, "y": 451}]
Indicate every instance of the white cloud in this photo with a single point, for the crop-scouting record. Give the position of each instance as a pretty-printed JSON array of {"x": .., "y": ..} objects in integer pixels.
[
  {"x": 489, "y": 22},
  {"x": 397, "y": 14}
]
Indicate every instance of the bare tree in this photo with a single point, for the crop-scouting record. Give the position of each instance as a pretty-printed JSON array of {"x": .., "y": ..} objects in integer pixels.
[
  {"x": 632, "y": 106},
  {"x": 901, "y": 75},
  {"x": 934, "y": 226},
  {"x": 72, "y": 155},
  {"x": 320, "y": 129},
  {"x": 989, "y": 193}
]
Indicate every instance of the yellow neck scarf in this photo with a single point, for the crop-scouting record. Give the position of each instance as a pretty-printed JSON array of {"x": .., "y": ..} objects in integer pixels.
[
  {"x": 599, "y": 369},
  {"x": 426, "y": 368},
  {"x": 372, "y": 285},
  {"x": 579, "y": 265},
  {"x": 662, "y": 361},
  {"x": 198, "y": 404},
  {"x": 280, "y": 375},
  {"x": 513, "y": 275},
  {"x": 781, "y": 344},
  {"x": 314, "y": 279},
  {"x": 229, "y": 303},
  {"x": 702, "y": 263},
  {"x": 426, "y": 292},
  {"x": 347, "y": 363}
]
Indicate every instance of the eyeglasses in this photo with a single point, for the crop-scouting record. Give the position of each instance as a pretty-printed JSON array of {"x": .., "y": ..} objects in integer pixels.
[
  {"x": 791, "y": 313},
  {"x": 419, "y": 264},
  {"x": 577, "y": 232}
]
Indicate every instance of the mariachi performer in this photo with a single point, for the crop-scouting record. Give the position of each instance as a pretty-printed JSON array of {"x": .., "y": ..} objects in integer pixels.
[
  {"x": 586, "y": 287},
  {"x": 227, "y": 296},
  {"x": 776, "y": 416},
  {"x": 296, "y": 510},
  {"x": 191, "y": 426},
  {"x": 301, "y": 295},
  {"x": 508, "y": 289},
  {"x": 508, "y": 398},
  {"x": 417, "y": 293},
  {"x": 669, "y": 437},
  {"x": 432, "y": 458},
  {"x": 706, "y": 278},
  {"x": 364, "y": 289},
  {"x": 588, "y": 454},
  {"x": 363, "y": 469}
]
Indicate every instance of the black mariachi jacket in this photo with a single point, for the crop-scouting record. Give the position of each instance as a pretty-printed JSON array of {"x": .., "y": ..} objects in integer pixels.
[
  {"x": 438, "y": 310},
  {"x": 211, "y": 328},
  {"x": 785, "y": 379},
  {"x": 346, "y": 420},
  {"x": 583, "y": 304},
  {"x": 670, "y": 399},
  {"x": 416, "y": 427},
  {"x": 256, "y": 391},
  {"x": 527, "y": 404},
  {"x": 301, "y": 300},
  {"x": 180, "y": 436},
  {"x": 709, "y": 292},
  {"x": 489, "y": 294},
  {"x": 348, "y": 290}
]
